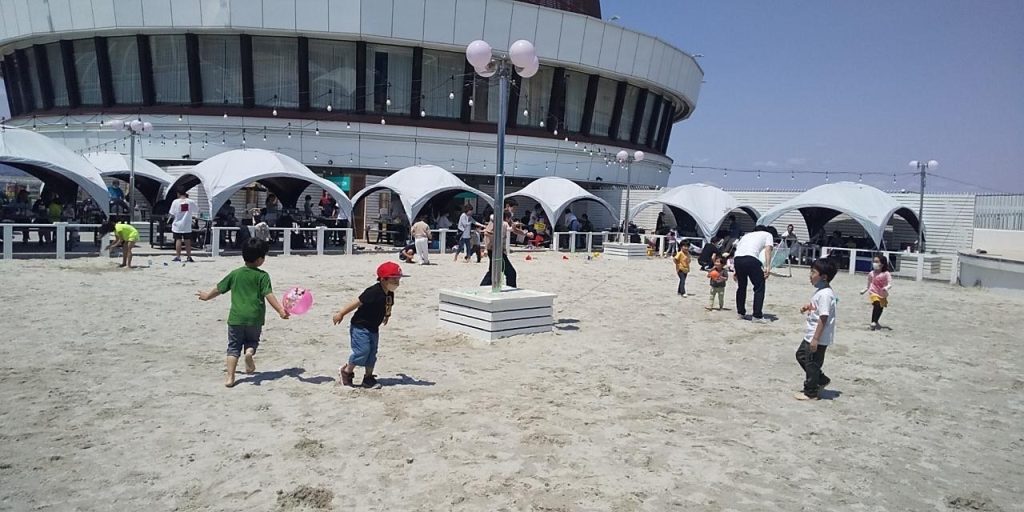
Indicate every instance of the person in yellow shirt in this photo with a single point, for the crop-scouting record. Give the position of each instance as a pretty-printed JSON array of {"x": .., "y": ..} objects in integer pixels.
[
  {"x": 125, "y": 236},
  {"x": 681, "y": 263}
]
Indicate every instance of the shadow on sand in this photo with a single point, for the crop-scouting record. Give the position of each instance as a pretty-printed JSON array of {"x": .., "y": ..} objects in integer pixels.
[{"x": 259, "y": 378}]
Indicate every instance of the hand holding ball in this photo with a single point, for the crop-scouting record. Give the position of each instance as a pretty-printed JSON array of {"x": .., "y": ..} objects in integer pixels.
[
  {"x": 714, "y": 275},
  {"x": 297, "y": 301}
]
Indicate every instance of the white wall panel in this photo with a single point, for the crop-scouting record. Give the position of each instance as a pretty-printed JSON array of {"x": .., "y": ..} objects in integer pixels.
[
  {"x": 8, "y": 22},
  {"x": 439, "y": 21},
  {"x": 627, "y": 52},
  {"x": 657, "y": 60},
  {"x": 375, "y": 16},
  {"x": 524, "y": 23},
  {"x": 642, "y": 62},
  {"x": 156, "y": 13},
  {"x": 344, "y": 16},
  {"x": 571, "y": 43},
  {"x": 39, "y": 16},
  {"x": 469, "y": 21},
  {"x": 279, "y": 14},
  {"x": 81, "y": 15},
  {"x": 592, "y": 36},
  {"x": 60, "y": 14},
  {"x": 497, "y": 23},
  {"x": 408, "y": 19},
  {"x": 186, "y": 13},
  {"x": 549, "y": 31},
  {"x": 311, "y": 15},
  {"x": 247, "y": 14},
  {"x": 216, "y": 13},
  {"x": 610, "y": 47},
  {"x": 21, "y": 12}
]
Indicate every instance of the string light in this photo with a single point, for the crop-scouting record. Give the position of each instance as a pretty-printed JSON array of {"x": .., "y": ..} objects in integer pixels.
[
  {"x": 423, "y": 113},
  {"x": 382, "y": 122},
  {"x": 387, "y": 102},
  {"x": 451, "y": 95},
  {"x": 348, "y": 125},
  {"x": 542, "y": 124},
  {"x": 179, "y": 118},
  {"x": 330, "y": 107},
  {"x": 471, "y": 102}
]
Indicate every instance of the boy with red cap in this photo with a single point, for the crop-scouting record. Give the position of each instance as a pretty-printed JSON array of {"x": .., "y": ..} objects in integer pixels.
[{"x": 372, "y": 309}]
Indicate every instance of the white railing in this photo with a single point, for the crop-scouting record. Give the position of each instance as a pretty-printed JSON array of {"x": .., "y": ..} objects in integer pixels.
[
  {"x": 920, "y": 265},
  {"x": 286, "y": 239},
  {"x": 61, "y": 230},
  {"x": 589, "y": 235}
]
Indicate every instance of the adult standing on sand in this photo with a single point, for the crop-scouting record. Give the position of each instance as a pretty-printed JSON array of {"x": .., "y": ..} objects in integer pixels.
[
  {"x": 749, "y": 266},
  {"x": 490, "y": 243},
  {"x": 182, "y": 210}
]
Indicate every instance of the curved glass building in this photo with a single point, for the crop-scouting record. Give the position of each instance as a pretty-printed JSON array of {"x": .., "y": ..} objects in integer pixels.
[{"x": 351, "y": 87}]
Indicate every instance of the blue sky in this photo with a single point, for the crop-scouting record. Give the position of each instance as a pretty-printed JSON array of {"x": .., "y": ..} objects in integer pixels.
[
  {"x": 832, "y": 85},
  {"x": 848, "y": 86}
]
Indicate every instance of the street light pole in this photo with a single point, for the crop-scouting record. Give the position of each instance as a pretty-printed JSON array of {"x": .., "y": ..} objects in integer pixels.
[
  {"x": 626, "y": 159},
  {"x": 523, "y": 56},
  {"x": 922, "y": 166},
  {"x": 134, "y": 128}
]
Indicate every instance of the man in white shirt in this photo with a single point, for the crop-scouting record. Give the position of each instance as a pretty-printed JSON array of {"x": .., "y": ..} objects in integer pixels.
[
  {"x": 181, "y": 211},
  {"x": 748, "y": 262},
  {"x": 421, "y": 236}
]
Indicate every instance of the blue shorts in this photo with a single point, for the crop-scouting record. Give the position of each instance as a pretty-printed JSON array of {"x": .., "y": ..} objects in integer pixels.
[
  {"x": 243, "y": 337},
  {"x": 364, "y": 346}
]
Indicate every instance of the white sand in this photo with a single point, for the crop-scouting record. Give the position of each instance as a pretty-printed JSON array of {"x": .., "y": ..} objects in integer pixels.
[{"x": 111, "y": 397}]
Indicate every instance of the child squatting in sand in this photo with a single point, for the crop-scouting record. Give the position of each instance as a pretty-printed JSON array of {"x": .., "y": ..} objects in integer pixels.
[
  {"x": 249, "y": 286},
  {"x": 372, "y": 309}
]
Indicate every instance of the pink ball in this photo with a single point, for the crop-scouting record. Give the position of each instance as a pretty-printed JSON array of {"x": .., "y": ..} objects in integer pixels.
[{"x": 297, "y": 301}]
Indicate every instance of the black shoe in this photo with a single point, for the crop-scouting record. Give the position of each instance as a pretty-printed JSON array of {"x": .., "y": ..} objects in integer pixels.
[
  {"x": 190, "y": 260},
  {"x": 824, "y": 382},
  {"x": 370, "y": 382}
]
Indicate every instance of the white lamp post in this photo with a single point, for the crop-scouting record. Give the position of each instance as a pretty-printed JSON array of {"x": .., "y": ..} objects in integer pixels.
[
  {"x": 627, "y": 160},
  {"x": 523, "y": 56},
  {"x": 923, "y": 167},
  {"x": 134, "y": 128}
]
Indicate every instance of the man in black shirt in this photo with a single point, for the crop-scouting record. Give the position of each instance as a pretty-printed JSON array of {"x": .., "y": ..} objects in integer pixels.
[{"x": 709, "y": 252}]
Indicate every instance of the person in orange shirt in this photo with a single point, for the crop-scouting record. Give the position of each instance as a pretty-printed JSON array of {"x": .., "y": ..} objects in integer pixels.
[{"x": 681, "y": 262}]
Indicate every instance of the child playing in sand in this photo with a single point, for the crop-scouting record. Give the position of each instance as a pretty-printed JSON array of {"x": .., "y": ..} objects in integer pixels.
[
  {"x": 719, "y": 276},
  {"x": 681, "y": 263},
  {"x": 125, "y": 236},
  {"x": 820, "y": 330},
  {"x": 372, "y": 309},
  {"x": 249, "y": 286},
  {"x": 879, "y": 284}
]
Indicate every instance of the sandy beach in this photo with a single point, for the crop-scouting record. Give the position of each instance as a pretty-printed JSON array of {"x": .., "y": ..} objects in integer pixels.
[{"x": 111, "y": 396}]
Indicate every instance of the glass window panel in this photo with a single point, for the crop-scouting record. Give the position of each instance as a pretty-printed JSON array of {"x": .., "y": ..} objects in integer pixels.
[
  {"x": 88, "y": 73},
  {"x": 628, "y": 113},
  {"x": 388, "y": 77},
  {"x": 220, "y": 63},
  {"x": 56, "y": 63},
  {"x": 535, "y": 97},
  {"x": 170, "y": 69},
  {"x": 275, "y": 71},
  {"x": 575, "y": 100},
  {"x": 441, "y": 81},
  {"x": 332, "y": 74},
  {"x": 603, "y": 105},
  {"x": 33, "y": 76},
  {"x": 485, "y": 100},
  {"x": 124, "y": 70},
  {"x": 659, "y": 124},
  {"x": 646, "y": 121}
]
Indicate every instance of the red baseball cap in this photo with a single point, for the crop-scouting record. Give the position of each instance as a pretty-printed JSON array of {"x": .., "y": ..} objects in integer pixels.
[{"x": 389, "y": 269}]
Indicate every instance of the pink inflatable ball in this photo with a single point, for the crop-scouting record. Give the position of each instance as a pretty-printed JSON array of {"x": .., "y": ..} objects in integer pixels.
[{"x": 297, "y": 301}]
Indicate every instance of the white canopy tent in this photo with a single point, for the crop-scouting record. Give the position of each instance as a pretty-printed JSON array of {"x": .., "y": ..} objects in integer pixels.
[
  {"x": 150, "y": 179},
  {"x": 555, "y": 194},
  {"x": 417, "y": 185},
  {"x": 870, "y": 207},
  {"x": 707, "y": 206},
  {"x": 60, "y": 169},
  {"x": 223, "y": 175}
]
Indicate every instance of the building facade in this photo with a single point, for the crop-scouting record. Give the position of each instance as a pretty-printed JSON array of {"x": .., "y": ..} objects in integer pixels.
[{"x": 350, "y": 87}]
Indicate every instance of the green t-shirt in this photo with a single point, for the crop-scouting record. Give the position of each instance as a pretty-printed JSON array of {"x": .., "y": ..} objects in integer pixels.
[{"x": 248, "y": 287}]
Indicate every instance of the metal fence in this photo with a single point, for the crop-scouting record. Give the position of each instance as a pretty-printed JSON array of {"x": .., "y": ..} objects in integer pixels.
[{"x": 999, "y": 211}]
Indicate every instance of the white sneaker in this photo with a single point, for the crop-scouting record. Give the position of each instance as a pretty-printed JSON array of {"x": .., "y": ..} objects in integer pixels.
[{"x": 761, "y": 320}]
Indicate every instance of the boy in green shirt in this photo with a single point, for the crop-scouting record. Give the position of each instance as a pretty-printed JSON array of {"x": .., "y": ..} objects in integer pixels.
[{"x": 249, "y": 286}]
